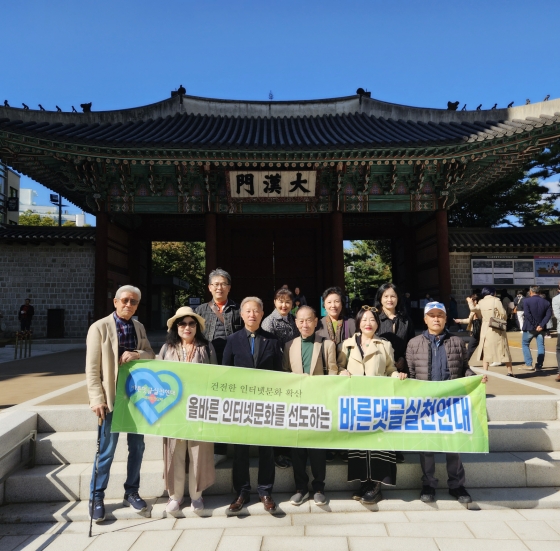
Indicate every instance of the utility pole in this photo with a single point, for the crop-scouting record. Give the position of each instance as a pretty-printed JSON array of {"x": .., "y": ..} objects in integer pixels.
[{"x": 56, "y": 200}]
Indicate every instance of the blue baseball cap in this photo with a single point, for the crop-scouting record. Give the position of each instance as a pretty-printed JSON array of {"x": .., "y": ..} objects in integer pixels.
[{"x": 434, "y": 306}]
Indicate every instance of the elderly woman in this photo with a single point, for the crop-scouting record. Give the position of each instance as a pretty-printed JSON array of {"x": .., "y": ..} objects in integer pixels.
[
  {"x": 493, "y": 346},
  {"x": 367, "y": 355},
  {"x": 282, "y": 324},
  {"x": 186, "y": 343}
]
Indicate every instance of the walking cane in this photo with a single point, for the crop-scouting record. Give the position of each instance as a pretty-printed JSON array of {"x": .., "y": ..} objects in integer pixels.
[{"x": 99, "y": 425}]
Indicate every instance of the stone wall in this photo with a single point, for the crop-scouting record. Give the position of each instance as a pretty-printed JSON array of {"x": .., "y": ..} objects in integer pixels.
[
  {"x": 52, "y": 276},
  {"x": 461, "y": 283}
]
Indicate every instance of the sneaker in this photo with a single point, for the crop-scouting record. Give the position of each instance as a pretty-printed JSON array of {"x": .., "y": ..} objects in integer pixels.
[
  {"x": 197, "y": 504},
  {"x": 331, "y": 455},
  {"x": 428, "y": 494},
  {"x": 136, "y": 501},
  {"x": 527, "y": 367},
  {"x": 319, "y": 498},
  {"x": 510, "y": 375},
  {"x": 173, "y": 505},
  {"x": 461, "y": 494},
  {"x": 282, "y": 462},
  {"x": 495, "y": 364},
  {"x": 299, "y": 497},
  {"x": 371, "y": 497},
  {"x": 98, "y": 513},
  {"x": 219, "y": 458}
]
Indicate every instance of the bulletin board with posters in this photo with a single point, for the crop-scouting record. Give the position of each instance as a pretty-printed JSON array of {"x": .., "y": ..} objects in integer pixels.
[
  {"x": 547, "y": 270},
  {"x": 502, "y": 270}
]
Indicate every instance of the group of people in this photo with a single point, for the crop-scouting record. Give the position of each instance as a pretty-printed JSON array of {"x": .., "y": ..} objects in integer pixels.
[{"x": 379, "y": 342}]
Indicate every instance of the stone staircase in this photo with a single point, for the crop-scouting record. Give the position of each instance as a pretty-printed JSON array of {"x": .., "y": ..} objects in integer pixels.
[{"x": 522, "y": 469}]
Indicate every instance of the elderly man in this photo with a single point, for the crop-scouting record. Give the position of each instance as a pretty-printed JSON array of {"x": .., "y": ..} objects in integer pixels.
[
  {"x": 556, "y": 310},
  {"x": 221, "y": 317},
  {"x": 436, "y": 355},
  {"x": 255, "y": 348},
  {"x": 111, "y": 342},
  {"x": 536, "y": 314},
  {"x": 309, "y": 354}
]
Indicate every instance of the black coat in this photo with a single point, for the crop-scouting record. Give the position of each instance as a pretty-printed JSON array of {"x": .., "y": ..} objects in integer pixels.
[
  {"x": 400, "y": 337},
  {"x": 238, "y": 351}
]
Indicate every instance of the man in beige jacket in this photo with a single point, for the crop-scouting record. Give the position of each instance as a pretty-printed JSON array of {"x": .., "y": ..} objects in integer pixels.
[
  {"x": 111, "y": 342},
  {"x": 309, "y": 354}
]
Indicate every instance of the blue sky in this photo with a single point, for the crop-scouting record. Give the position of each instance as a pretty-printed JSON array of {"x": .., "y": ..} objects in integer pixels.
[{"x": 120, "y": 54}]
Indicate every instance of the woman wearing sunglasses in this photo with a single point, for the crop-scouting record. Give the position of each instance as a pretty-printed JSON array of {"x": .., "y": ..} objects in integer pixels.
[
  {"x": 186, "y": 343},
  {"x": 367, "y": 355}
]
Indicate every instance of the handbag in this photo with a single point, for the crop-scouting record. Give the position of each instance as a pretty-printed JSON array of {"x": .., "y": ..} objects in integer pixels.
[{"x": 497, "y": 323}]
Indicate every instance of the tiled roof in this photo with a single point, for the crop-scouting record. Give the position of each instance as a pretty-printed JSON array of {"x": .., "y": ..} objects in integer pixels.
[
  {"x": 544, "y": 238},
  {"x": 38, "y": 234},
  {"x": 307, "y": 132}
]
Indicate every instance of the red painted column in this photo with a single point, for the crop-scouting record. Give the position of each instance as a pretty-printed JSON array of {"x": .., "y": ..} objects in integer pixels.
[
  {"x": 211, "y": 244},
  {"x": 444, "y": 266},
  {"x": 101, "y": 246},
  {"x": 337, "y": 244}
]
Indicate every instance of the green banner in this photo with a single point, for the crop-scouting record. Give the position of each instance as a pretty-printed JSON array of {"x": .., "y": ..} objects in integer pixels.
[{"x": 250, "y": 406}]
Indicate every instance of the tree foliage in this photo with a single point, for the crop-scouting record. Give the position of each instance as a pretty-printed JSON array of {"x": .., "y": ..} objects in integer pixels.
[
  {"x": 30, "y": 218},
  {"x": 372, "y": 267},
  {"x": 185, "y": 260}
]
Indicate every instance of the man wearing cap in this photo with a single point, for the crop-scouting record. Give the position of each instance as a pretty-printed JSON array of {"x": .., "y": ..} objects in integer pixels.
[
  {"x": 111, "y": 342},
  {"x": 254, "y": 348},
  {"x": 436, "y": 355}
]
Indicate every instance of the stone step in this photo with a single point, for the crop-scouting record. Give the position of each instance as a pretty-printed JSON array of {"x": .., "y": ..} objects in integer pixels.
[
  {"x": 57, "y": 448},
  {"x": 215, "y": 512},
  {"x": 71, "y": 482},
  {"x": 79, "y": 446}
]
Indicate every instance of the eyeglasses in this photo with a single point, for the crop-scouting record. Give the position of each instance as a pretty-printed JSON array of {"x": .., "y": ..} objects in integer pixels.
[
  {"x": 369, "y": 308},
  {"x": 131, "y": 301},
  {"x": 186, "y": 324},
  {"x": 219, "y": 284}
]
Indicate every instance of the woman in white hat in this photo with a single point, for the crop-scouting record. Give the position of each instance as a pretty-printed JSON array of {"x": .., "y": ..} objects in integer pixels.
[{"x": 186, "y": 343}]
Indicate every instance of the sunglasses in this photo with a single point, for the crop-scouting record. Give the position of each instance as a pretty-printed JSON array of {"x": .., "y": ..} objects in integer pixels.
[
  {"x": 186, "y": 324},
  {"x": 369, "y": 308},
  {"x": 131, "y": 301}
]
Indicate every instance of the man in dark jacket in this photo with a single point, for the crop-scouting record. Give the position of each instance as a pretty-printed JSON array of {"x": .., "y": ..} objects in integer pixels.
[
  {"x": 536, "y": 314},
  {"x": 255, "y": 348},
  {"x": 25, "y": 315},
  {"x": 436, "y": 355},
  {"x": 222, "y": 319}
]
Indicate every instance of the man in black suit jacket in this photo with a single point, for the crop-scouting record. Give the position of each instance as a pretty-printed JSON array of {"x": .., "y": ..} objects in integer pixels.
[{"x": 253, "y": 347}]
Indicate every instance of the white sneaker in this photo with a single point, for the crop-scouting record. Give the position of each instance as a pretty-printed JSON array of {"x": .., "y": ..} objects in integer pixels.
[
  {"x": 173, "y": 505},
  {"x": 197, "y": 504},
  {"x": 218, "y": 458},
  {"x": 495, "y": 364}
]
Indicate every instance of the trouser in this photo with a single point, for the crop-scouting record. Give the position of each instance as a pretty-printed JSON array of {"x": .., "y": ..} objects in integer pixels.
[
  {"x": 558, "y": 347},
  {"x": 240, "y": 471},
  {"x": 473, "y": 343},
  {"x": 528, "y": 336},
  {"x": 25, "y": 324},
  {"x": 220, "y": 449},
  {"x": 455, "y": 470},
  {"x": 179, "y": 461},
  {"x": 520, "y": 318},
  {"x": 107, "y": 446},
  {"x": 318, "y": 462}
]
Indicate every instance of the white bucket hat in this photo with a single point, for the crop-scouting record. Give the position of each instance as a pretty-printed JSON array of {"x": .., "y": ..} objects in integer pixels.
[{"x": 183, "y": 312}]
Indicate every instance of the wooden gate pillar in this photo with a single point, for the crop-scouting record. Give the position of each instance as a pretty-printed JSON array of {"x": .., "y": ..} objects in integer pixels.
[
  {"x": 337, "y": 243},
  {"x": 444, "y": 267}
]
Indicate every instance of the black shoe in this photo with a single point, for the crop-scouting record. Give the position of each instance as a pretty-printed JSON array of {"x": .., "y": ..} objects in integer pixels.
[
  {"x": 282, "y": 462},
  {"x": 399, "y": 457},
  {"x": 357, "y": 494},
  {"x": 331, "y": 456},
  {"x": 136, "y": 501},
  {"x": 98, "y": 513},
  {"x": 428, "y": 494},
  {"x": 461, "y": 494},
  {"x": 371, "y": 497}
]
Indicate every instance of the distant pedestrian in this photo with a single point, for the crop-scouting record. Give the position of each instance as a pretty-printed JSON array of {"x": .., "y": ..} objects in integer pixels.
[
  {"x": 518, "y": 309},
  {"x": 25, "y": 315},
  {"x": 537, "y": 311},
  {"x": 298, "y": 295},
  {"x": 474, "y": 325},
  {"x": 556, "y": 309}
]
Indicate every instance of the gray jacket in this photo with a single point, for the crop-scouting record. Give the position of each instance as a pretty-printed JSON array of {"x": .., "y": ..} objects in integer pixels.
[{"x": 232, "y": 318}]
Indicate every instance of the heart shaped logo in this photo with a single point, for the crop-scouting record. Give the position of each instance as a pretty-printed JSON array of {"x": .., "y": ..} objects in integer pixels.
[{"x": 154, "y": 393}]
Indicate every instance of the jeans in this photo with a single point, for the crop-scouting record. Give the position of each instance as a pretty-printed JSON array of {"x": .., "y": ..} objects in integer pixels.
[
  {"x": 528, "y": 336},
  {"x": 107, "y": 447}
]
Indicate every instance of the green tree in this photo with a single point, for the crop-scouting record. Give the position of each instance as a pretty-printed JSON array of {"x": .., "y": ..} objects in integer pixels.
[
  {"x": 372, "y": 267},
  {"x": 30, "y": 218},
  {"x": 184, "y": 260}
]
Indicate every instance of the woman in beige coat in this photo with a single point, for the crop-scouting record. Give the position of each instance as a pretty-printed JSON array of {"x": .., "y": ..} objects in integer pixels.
[
  {"x": 186, "y": 343},
  {"x": 493, "y": 346},
  {"x": 367, "y": 355}
]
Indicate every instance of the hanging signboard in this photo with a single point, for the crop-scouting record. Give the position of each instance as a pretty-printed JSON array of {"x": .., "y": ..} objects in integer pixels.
[
  {"x": 273, "y": 185},
  {"x": 547, "y": 270}
]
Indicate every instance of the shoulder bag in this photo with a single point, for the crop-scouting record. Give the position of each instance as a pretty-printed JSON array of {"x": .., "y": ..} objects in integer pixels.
[{"x": 497, "y": 323}]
